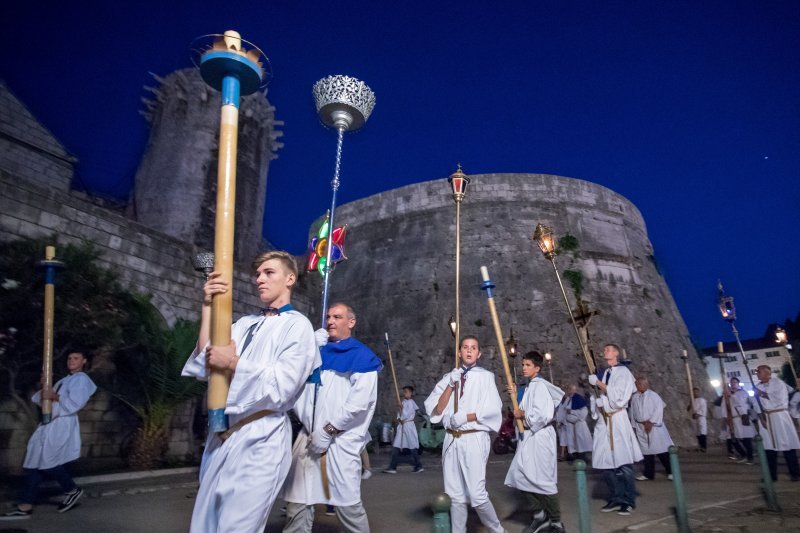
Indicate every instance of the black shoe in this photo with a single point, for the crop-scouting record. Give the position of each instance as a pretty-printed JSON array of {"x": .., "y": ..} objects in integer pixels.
[
  {"x": 539, "y": 524},
  {"x": 16, "y": 514},
  {"x": 557, "y": 527},
  {"x": 70, "y": 500},
  {"x": 610, "y": 507},
  {"x": 625, "y": 510}
]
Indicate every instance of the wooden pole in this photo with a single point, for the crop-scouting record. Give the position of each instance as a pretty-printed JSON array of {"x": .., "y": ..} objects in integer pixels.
[
  {"x": 47, "y": 344},
  {"x": 689, "y": 379},
  {"x": 726, "y": 394},
  {"x": 394, "y": 376},
  {"x": 488, "y": 285}
]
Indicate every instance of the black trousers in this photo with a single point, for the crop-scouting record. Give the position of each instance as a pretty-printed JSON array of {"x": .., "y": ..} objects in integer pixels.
[
  {"x": 791, "y": 461},
  {"x": 701, "y": 442},
  {"x": 650, "y": 464}
]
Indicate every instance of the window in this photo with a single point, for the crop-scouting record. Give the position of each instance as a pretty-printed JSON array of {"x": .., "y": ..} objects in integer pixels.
[
  {"x": 752, "y": 356},
  {"x": 776, "y": 353},
  {"x": 734, "y": 374},
  {"x": 730, "y": 358}
]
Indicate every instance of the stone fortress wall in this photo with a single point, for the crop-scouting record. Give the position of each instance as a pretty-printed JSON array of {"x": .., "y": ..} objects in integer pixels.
[{"x": 401, "y": 280}]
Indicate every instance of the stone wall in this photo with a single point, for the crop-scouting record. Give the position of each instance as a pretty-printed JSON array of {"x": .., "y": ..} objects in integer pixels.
[{"x": 400, "y": 278}]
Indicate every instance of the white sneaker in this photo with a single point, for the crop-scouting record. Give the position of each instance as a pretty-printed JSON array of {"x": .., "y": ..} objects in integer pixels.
[
  {"x": 641, "y": 477},
  {"x": 366, "y": 474},
  {"x": 669, "y": 477}
]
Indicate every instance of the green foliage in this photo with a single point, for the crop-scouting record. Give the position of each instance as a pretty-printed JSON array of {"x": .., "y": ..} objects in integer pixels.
[
  {"x": 568, "y": 243},
  {"x": 575, "y": 279}
]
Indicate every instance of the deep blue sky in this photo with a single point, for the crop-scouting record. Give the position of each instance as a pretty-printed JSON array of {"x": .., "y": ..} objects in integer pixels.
[{"x": 689, "y": 109}]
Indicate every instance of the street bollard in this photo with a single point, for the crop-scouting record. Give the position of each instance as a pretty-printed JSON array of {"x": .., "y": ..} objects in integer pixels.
[
  {"x": 680, "y": 497},
  {"x": 441, "y": 513},
  {"x": 769, "y": 489},
  {"x": 584, "y": 519}
]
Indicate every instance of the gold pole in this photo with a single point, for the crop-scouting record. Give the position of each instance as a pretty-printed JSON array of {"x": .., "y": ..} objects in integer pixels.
[
  {"x": 222, "y": 304},
  {"x": 47, "y": 345},
  {"x": 501, "y": 345},
  {"x": 458, "y": 300},
  {"x": 689, "y": 377},
  {"x": 726, "y": 394}
]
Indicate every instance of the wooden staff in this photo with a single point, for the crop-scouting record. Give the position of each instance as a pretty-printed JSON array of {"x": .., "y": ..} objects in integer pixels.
[
  {"x": 685, "y": 358},
  {"x": 394, "y": 376},
  {"x": 229, "y": 68},
  {"x": 487, "y": 285},
  {"x": 49, "y": 265}
]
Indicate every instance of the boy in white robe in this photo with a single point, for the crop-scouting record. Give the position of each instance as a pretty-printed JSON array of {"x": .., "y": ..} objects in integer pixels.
[
  {"x": 647, "y": 417},
  {"x": 57, "y": 443},
  {"x": 743, "y": 427},
  {"x": 615, "y": 447},
  {"x": 406, "y": 438},
  {"x": 326, "y": 457},
  {"x": 778, "y": 429},
  {"x": 580, "y": 437},
  {"x": 467, "y": 443},
  {"x": 699, "y": 410},
  {"x": 533, "y": 470},
  {"x": 271, "y": 355}
]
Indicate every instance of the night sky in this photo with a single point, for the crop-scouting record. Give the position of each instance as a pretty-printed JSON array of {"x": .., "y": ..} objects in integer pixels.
[{"x": 688, "y": 109}]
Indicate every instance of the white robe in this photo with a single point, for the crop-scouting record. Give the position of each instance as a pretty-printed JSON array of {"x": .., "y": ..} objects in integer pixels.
[
  {"x": 240, "y": 478},
  {"x": 347, "y": 402},
  {"x": 649, "y": 407},
  {"x": 625, "y": 449},
  {"x": 565, "y": 435},
  {"x": 464, "y": 458},
  {"x": 580, "y": 436},
  {"x": 740, "y": 403},
  {"x": 59, "y": 442},
  {"x": 406, "y": 434},
  {"x": 534, "y": 466},
  {"x": 700, "y": 408},
  {"x": 780, "y": 434}
]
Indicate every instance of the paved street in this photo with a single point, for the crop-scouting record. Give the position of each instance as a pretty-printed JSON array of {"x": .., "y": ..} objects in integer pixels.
[{"x": 722, "y": 496}]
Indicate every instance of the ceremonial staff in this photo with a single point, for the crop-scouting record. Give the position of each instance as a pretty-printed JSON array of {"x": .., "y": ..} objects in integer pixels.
[
  {"x": 227, "y": 67},
  {"x": 685, "y": 358},
  {"x": 50, "y": 265},
  {"x": 543, "y": 236},
  {"x": 458, "y": 184},
  {"x": 394, "y": 376},
  {"x": 343, "y": 103},
  {"x": 728, "y": 312},
  {"x": 487, "y": 285}
]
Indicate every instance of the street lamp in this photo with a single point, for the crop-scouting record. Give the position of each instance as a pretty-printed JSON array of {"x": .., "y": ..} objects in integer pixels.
[
  {"x": 543, "y": 236},
  {"x": 512, "y": 347},
  {"x": 549, "y": 358}
]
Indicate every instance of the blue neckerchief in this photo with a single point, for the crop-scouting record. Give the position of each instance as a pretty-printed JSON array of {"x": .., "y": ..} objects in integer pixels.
[
  {"x": 282, "y": 309},
  {"x": 578, "y": 402},
  {"x": 349, "y": 355}
]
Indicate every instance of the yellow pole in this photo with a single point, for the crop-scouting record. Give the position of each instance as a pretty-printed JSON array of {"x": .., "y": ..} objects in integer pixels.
[
  {"x": 394, "y": 376},
  {"x": 458, "y": 299},
  {"x": 500, "y": 344},
  {"x": 689, "y": 378},
  {"x": 222, "y": 304},
  {"x": 47, "y": 345}
]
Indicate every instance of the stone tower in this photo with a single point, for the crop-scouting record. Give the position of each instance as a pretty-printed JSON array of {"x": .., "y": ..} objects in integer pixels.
[
  {"x": 400, "y": 279},
  {"x": 175, "y": 189}
]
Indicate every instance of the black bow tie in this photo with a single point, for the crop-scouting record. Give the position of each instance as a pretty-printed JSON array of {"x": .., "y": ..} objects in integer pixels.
[{"x": 270, "y": 311}]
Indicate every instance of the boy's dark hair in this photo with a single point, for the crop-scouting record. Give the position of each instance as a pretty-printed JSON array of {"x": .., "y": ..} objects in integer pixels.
[
  {"x": 468, "y": 337},
  {"x": 534, "y": 357},
  {"x": 615, "y": 346},
  {"x": 409, "y": 387}
]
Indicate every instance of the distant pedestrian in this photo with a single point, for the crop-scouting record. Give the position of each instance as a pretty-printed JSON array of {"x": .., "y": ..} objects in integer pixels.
[
  {"x": 699, "y": 411},
  {"x": 406, "y": 438},
  {"x": 647, "y": 417}
]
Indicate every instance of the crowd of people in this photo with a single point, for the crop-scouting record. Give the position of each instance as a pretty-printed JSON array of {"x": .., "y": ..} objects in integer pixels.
[{"x": 329, "y": 379}]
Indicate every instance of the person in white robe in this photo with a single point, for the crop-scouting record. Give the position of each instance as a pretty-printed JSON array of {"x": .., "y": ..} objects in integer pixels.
[
  {"x": 326, "y": 457},
  {"x": 563, "y": 429},
  {"x": 719, "y": 413},
  {"x": 467, "y": 443},
  {"x": 647, "y": 417},
  {"x": 743, "y": 427},
  {"x": 777, "y": 429},
  {"x": 615, "y": 447},
  {"x": 699, "y": 411},
  {"x": 58, "y": 442},
  {"x": 580, "y": 441},
  {"x": 271, "y": 356},
  {"x": 406, "y": 437},
  {"x": 534, "y": 467}
]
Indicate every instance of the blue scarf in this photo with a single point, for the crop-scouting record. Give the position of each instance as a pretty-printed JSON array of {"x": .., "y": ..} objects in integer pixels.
[
  {"x": 578, "y": 402},
  {"x": 349, "y": 355}
]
